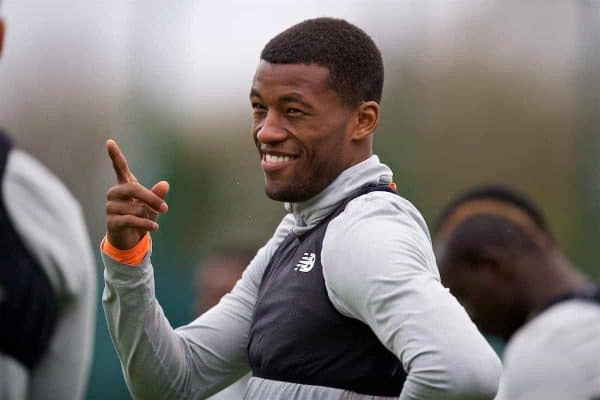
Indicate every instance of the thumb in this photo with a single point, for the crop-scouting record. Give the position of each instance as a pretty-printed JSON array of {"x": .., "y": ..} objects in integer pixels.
[{"x": 161, "y": 189}]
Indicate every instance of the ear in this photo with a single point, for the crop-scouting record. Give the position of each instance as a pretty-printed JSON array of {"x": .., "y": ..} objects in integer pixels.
[
  {"x": 1, "y": 34},
  {"x": 367, "y": 118}
]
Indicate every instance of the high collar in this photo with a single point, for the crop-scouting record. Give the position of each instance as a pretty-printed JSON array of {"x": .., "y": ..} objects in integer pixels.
[{"x": 308, "y": 213}]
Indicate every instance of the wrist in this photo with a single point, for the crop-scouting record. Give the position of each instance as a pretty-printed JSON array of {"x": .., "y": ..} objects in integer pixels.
[{"x": 133, "y": 256}]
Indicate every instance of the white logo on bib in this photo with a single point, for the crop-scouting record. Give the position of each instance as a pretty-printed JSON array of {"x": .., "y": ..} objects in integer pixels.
[{"x": 306, "y": 263}]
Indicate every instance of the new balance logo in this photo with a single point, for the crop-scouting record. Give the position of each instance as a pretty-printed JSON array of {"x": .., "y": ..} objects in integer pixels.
[{"x": 306, "y": 263}]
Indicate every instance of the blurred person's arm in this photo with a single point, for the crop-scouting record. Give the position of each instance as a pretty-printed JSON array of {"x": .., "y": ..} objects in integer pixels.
[
  {"x": 50, "y": 222},
  {"x": 379, "y": 268},
  {"x": 195, "y": 360}
]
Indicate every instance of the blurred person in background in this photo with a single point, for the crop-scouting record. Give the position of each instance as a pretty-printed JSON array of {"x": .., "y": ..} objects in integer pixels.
[
  {"x": 345, "y": 300},
  {"x": 47, "y": 282},
  {"x": 497, "y": 254},
  {"x": 217, "y": 275},
  {"x": 215, "y": 278}
]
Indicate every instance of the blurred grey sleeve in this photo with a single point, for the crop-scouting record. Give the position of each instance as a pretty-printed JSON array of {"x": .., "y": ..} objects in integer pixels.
[
  {"x": 193, "y": 361},
  {"x": 51, "y": 224},
  {"x": 379, "y": 268},
  {"x": 14, "y": 379}
]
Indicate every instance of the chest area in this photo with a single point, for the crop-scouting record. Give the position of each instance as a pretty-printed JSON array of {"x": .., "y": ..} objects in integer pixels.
[
  {"x": 295, "y": 266},
  {"x": 293, "y": 312},
  {"x": 293, "y": 283}
]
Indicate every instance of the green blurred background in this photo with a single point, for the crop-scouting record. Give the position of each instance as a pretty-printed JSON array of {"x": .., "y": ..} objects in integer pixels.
[{"x": 475, "y": 93}]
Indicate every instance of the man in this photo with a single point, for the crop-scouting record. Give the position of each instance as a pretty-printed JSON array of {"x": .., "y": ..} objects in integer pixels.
[
  {"x": 215, "y": 278},
  {"x": 498, "y": 256},
  {"x": 345, "y": 300},
  {"x": 47, "y": 282},
  {"x": 218, "y": 274}
]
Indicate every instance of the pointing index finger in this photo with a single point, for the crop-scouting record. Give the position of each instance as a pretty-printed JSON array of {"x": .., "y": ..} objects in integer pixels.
[{"x": 119, "y": 162}]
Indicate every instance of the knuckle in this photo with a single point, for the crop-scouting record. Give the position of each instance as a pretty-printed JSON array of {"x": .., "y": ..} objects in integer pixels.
[
  {"x": 137, "y": 190},
  {"x": 141, "y": 211},
  {"x": 110, "y": 192},
  {"x": 134, "y": 212},
  {"x": 113, "y": 207},
  {"x": 117, "y": 191},
  {"x": 137, "y": 187}
]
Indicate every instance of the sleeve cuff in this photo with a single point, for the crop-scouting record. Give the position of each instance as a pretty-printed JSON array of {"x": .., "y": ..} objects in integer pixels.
[{"x": 132, "y": 257}]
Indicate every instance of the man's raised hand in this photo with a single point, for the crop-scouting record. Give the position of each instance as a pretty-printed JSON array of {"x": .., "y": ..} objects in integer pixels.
[{"x": 131, "y": 208}]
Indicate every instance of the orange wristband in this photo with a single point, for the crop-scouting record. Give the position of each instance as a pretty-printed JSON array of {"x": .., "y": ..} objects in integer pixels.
[{"x": 132, "y": 257}]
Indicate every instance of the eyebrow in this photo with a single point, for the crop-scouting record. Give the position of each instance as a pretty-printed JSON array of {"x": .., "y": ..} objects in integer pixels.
[
  {"x": 294, "y": 98},
  {"x": 286, "y": 98}
]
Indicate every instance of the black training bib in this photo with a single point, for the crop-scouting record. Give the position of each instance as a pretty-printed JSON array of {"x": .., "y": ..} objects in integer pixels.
[{"x": 298, "y": 336}]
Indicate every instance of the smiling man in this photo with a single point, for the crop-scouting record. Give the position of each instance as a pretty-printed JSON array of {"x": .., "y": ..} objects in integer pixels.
[{"x": 344, "y": 301}]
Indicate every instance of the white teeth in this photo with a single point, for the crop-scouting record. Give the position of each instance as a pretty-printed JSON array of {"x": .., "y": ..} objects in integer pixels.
[{"x": 272, "y": 158}]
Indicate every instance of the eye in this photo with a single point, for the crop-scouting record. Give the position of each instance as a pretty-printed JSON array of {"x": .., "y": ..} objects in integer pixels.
[
  {"x": 257, "y": 107},
  {"x": 294, "y": 111}
]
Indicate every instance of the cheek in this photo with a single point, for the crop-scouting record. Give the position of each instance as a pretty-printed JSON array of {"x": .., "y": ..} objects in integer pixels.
[
  {"x": 329, "y": 140},
  {"x": 484, "y": 293},
  {"x": 494, "y": 304},
  {"x": 475, "y": 293}
]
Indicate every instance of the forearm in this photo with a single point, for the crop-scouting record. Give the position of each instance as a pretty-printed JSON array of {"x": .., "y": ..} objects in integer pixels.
[
  {"x": 448, "y": 357},
  {"x": 195, "y": 360},
  {"x": 443, "y": 354},
  {"x": 153, "y": 357}
]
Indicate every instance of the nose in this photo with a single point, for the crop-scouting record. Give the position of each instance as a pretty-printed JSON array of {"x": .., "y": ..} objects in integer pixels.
[{"x": 272, "y": 130}]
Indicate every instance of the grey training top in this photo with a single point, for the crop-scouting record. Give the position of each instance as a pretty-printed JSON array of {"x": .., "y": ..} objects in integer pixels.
[
  {"x": 399, "y": 296},
  {"x": 49, "y": 221},
  {"x": 555, "y": 356}
]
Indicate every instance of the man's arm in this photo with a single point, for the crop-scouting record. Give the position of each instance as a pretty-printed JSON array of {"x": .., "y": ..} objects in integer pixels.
[
  {"x": 193, "y": 361},
  {"x": 50, "y": 222},
  {"x": 379, "y": 268},
  {"x": 159, "y": 362}
]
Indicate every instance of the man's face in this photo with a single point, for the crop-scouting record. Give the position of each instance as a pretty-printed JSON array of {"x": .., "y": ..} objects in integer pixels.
[
  {"x": 488, "y": 295},
  {"x": 301, "y": 129}
]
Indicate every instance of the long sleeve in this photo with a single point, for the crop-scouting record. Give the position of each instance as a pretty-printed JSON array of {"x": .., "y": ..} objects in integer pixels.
[
  {"x": 379, "y": 268},
  {"x": 50, "y": 222},
  {"x": 193, "y": 361}
]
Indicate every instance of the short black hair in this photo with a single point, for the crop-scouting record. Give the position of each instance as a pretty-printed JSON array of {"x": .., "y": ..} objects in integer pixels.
[
  {"x": 469, "y": 240},
  {"x": 354, "y": 61},
  {"x": 502, "y": 194}
]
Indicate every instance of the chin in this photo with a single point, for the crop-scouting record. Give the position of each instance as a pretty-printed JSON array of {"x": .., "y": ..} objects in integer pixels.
[{"x": 288, "y": 193}]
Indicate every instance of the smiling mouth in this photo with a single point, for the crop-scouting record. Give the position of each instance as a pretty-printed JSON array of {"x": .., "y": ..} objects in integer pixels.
[
  {"x": 271, "y": 162},
  {"x": 274, "y": 158}
]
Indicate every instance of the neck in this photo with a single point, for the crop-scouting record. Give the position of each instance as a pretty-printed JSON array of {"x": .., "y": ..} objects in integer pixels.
[
  {"x": 359, "y": 157},
  {"x": 554, "y": 277}
]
